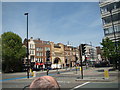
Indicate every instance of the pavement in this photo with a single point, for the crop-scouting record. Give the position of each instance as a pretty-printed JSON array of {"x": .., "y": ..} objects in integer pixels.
[{"x": 93, "y": 74}]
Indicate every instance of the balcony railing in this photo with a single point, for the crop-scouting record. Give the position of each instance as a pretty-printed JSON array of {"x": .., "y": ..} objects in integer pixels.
[{"x": 114, "y": 11}]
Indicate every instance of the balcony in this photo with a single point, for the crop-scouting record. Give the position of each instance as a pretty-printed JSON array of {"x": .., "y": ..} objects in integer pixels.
[
  {"x": 110, "y": 24},
  {"x": 105, "y": 2},
  {"x": 114, "y": 11}
]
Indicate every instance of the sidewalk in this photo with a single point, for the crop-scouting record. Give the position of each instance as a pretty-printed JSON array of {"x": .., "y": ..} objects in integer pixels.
[{"x": 96, "y": 75}]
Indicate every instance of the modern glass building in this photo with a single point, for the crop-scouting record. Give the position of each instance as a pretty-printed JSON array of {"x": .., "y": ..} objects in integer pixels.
[{"x": 110, "y": 13}]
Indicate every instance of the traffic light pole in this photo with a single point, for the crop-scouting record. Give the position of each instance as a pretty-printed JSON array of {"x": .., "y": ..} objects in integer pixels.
[
  {"x": 80, "y": 51},
  {"x": 86, "y": 61},
  {"x": 47, "y": 60},
  {"x": 47, "y": 69},
  {"x": 81, "y": 70}
]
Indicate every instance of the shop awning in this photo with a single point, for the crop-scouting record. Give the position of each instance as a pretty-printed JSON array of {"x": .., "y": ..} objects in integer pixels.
[{"x": 39, "y": 63}]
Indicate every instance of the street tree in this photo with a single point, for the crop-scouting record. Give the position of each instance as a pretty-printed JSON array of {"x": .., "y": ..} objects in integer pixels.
[
  {"x": 110, "y": 51},
  {"x": 12, "y": 52}
]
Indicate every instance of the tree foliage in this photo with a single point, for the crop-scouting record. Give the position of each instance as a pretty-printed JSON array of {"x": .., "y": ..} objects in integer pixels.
[
  {"x": 110, "y": 50},
  {"x": 12, "y": 51}
]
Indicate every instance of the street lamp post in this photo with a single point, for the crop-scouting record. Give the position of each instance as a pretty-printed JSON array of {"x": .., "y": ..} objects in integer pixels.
[
  {"x": 114, "y": 36},
  {"x": 27, "y": 48}
]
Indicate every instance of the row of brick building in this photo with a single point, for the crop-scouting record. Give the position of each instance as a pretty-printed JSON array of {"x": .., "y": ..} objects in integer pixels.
[{"x": 60, "y": 53}]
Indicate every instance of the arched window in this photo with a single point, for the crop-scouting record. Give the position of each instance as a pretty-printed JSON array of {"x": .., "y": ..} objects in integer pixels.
[{"x": 57, "y": 60}]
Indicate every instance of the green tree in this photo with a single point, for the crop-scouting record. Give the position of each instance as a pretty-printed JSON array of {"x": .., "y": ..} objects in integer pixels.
[
  {"x": 110, "y": 52},
  {"x": 12, "y": 52}
]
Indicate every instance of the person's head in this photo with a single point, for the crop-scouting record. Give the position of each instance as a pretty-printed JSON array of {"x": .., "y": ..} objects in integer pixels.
[{"x": 44, "y": 82}]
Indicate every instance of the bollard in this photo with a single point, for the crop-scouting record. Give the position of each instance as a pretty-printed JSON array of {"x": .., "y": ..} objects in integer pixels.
[
  {"x": 30, "y": 70},
  {"x": 80, "y": 68},
  {"x": 106, "y": 74},
  {"x": 76, "y": 69},
  {"x": 34, "y": 73}
]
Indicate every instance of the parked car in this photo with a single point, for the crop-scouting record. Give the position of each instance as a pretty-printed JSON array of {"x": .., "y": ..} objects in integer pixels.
[
  {"x": 36, "y": 69},
  {"x": 91, "y": 63},
  {"x": 97, "y": 64},
  {"x": 48, "y": 68},
  {"x": 102, "y": 64}
]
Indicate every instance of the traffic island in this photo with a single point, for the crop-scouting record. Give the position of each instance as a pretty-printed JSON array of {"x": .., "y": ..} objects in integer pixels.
[{"x": 99, "y": 79}]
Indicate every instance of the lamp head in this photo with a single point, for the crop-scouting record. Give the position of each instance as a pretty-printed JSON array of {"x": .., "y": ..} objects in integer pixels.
[{"x": 25, "y": 13}]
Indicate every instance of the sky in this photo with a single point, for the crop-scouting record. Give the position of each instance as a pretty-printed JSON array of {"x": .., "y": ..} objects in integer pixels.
[{"x": 59, "y": 22}]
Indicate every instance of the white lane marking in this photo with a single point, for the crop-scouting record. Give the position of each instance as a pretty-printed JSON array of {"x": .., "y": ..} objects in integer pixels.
[
  {"x": 63, "y": 81},
  {"x": 80, "y": 85}
]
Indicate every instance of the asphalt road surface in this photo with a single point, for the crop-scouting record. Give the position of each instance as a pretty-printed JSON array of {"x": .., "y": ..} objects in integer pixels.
[
  {"x": 65, "y": 79},
  {"x": 98, "y": 85}
]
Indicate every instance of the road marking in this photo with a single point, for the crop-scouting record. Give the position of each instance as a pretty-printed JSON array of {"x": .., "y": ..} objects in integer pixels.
[
  {"x": 80, "y": 85},
  {"x": 63, "y": 81},
  {"x": 14, "y": 78}
]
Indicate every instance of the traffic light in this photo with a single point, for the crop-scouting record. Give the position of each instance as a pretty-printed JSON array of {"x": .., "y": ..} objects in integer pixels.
[
  {"x": 83, "y": 48},
  {"x": 48, "y": 55}
]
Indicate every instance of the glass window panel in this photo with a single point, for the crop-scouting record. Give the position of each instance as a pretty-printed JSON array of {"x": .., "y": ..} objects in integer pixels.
[
  {"x": 110, "y": 30},
  {"x": 47, "y": 48},
  {"x": 106, "y": 31},
  {"x": 119, "y": 28},
  {"x": 116, "y": 28}
]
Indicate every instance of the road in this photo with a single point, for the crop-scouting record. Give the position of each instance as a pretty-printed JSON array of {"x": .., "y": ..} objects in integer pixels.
[
  {"x": 98, "y": 85},
  {"x": 66, "y": 79},
  {"x": 18, "y": 80}
]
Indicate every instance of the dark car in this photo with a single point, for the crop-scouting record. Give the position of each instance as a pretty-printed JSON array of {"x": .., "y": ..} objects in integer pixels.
[
  {"x": 102, "y": 64},
  {"x": 105, "y": 64},
  {"x": 49, "y": 68},
  {"x": 97, "y": 64}
]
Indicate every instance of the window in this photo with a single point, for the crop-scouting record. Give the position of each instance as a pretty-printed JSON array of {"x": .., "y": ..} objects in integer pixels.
[
  {"x": 40, "y": 60},
  {"x": 47, "y": 49},
  {"x": 117, "y": 28},
  {"x": 39, "y": 49},
  {"x": 39, "y": 54},
  {"x": 106, "y": 31},
  {"x": 111, "y": 30},
  {"x": 115, "y": 6},
  {"x": 104, "y": 9},
  {"x": 31, "y": 51},
  {"x": 31, "y": 45}
]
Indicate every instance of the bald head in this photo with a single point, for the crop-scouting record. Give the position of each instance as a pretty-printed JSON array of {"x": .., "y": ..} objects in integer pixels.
[{"x": 44, "y": 82}]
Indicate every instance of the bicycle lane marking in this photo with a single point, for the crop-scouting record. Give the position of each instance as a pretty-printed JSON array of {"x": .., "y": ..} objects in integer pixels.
[
  {"x": 22, "y": 77},
  {"x": 51, "y": 74},
  {"x": 13, "y": 78}
]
